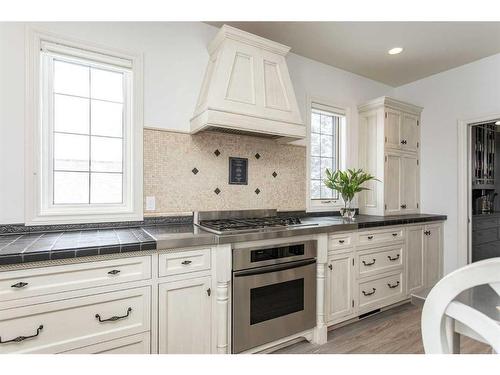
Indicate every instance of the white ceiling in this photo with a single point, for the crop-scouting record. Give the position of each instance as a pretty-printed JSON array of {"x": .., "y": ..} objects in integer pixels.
[{"x": 361, "y": 47}]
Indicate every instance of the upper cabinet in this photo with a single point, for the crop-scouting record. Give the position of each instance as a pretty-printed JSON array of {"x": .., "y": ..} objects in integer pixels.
[
  {"x": 389, "y": 148},
  {"x": 247, "y": 88}
]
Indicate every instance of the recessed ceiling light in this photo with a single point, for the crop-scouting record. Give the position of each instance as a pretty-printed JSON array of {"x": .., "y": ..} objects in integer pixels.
[{"x": 395, "y": 51}]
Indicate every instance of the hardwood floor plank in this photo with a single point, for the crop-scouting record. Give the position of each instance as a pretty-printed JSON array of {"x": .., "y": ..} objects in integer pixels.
[{"x": 395, "y": 331}]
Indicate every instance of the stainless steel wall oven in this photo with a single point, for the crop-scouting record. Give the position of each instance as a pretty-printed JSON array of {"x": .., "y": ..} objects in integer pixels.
[{"x": 274, "y": 293}]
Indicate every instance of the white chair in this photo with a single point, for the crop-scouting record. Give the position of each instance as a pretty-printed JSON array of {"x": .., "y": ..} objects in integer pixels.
[{"x": 441, "y": 309}]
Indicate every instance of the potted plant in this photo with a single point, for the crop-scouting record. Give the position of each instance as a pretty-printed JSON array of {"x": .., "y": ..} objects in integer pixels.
[{"x": 347, "y": 184}]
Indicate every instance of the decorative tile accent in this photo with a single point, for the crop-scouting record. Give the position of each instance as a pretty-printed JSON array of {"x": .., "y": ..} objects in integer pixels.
[
  {"x": 257, "y": 191},
  {"x": 274, "y": 174},
  {"x": 195, "y": 170},
  {"x": 217, "y": 152},
  {"x": 217, "y": 191},
  {"x": 257, "y": 156}
]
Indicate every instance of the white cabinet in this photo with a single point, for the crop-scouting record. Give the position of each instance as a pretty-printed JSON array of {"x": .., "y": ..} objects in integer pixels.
[
  {"x": 433, "y": 254},
  {"x": 185, "y": 316},
  {"x": 425, "y": 256},
  {"x": 340, "y": 279},
  {"x": 389, "y": 142},
  {"x": 415, "y": 259}
]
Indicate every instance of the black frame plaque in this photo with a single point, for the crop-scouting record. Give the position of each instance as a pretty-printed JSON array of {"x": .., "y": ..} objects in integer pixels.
[{"x": 238, "y": 171}]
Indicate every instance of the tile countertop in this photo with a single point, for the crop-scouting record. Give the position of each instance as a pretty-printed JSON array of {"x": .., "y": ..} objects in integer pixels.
[{"x": 34, "y": 247}]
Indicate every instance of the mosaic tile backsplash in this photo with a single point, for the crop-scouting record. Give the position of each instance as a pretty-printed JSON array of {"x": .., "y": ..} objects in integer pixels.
[{"x": 191, "y": 172}]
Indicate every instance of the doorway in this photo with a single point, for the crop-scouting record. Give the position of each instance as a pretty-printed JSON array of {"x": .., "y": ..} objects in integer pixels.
[{"x": 484, "y": 185}]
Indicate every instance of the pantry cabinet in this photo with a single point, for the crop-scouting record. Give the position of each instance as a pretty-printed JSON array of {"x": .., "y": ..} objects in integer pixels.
[
  {"x": 185, "y": 316},
  {"x": 389, "y": 145}
]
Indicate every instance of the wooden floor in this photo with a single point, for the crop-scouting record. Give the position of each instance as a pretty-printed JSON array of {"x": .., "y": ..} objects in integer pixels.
[{"x": 395, "y": 331}]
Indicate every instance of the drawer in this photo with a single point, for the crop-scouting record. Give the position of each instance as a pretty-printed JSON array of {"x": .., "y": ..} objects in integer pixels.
[
  {"x": 485, "y": 223},
  {"x": 484, "y": 235},
  {"x": 340, "y": 241},
  {"x": 135, "y": 344},
  {"x": 184, "y": 262},
  {"x": 378, "y": 236},
  {"x": 381, "y": 260},
  {"x": 381, "y": 291},
  {"x": 74, "y": 323},
  {"x": 46, "y": 280}
]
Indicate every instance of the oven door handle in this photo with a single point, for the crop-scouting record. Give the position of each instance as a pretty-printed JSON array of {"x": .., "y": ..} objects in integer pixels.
[{"x": 276, "y": 268}]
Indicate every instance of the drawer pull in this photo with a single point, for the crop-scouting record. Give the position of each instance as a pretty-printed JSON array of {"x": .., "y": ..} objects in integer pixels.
[
  {"x": 114, "y": 272},
  {"x": 369, "y": 293},
  {"x": 114, "y": 318},
  {"x": 393, "y": 259},
  {"x": 393, "y": 286},
  {"x": 22, "y": 338},
  {"x": 369, "y": 264},
  {"x": 330, "y": 266},
  {"x": 186, "y": 262},
  {"x": 394, "y": 235},
  {"x": 341, "y": 241},
  {"x": 370, "y": 237},
  {"x": 19, "y": 285}
]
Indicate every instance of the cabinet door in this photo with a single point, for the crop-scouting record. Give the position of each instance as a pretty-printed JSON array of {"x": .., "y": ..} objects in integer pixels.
[
  {"x": 392, "y": 184},
  {"x": 414, "y": 259},
  {"x": 340, "y": 274},
  {"x": 409, "y": 132},
  {"x": 185, "y": 316},
  {"x": 433, "y": 254},
  {"x": 410, "y": 184},
  {"x": 392, "y": 129}
]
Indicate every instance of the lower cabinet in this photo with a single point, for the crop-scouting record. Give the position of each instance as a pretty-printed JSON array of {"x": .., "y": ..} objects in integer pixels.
[
  {"x": 340, "y": 279},
  {"x": 425, "y": 257},
  {"x": 185, "y": 316},
  {"x": 433, "y": 254},
  {"x": 136, "y": 344},
  {"x": 415, "y": 268}
]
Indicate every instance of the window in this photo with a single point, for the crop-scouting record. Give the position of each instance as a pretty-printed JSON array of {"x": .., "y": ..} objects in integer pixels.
[
  {"x": 326, "y": 129},
  {"x": 88, "y": 132}
]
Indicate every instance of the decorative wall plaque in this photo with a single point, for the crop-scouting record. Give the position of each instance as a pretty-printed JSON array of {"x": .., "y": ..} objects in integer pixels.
[{"x": 238, "y": 171}]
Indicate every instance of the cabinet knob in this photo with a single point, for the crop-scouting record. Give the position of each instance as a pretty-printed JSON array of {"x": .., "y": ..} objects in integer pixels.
[{"x": 209, "y": 292}]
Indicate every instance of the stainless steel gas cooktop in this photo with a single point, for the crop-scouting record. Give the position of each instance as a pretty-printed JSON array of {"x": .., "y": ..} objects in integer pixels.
[{"x": 246, "y": 221}]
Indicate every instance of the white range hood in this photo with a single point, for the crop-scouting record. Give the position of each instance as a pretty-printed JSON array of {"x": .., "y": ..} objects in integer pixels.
[{"x": 247, "y": 88}]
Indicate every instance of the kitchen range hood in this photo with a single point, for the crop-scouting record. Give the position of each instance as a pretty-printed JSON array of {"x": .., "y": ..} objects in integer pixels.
[{"x": 247, "y": 89}]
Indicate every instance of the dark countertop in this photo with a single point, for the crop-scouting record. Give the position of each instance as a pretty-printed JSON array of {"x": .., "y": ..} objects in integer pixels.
[{"x": 34, "y": 247}]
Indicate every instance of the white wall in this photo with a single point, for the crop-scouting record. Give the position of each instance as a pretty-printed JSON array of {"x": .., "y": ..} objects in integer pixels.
[
  {"x": 175, "y": 57},
  {"x": 466, "y": 92}
]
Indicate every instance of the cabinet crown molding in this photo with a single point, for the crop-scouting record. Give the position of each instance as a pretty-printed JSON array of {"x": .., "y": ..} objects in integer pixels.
[
  {"x": 385, "y": 101},
  {"x": 228, "y": 32}
]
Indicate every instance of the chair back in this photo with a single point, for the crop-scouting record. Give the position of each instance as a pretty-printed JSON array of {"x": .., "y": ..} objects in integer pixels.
[{"x": 440, "y": 305}]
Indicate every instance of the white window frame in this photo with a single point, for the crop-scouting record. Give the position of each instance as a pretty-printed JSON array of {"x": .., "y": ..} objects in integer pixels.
[
  {"x": 314, "y": 205},
  {"x": 39, "y": 208}
]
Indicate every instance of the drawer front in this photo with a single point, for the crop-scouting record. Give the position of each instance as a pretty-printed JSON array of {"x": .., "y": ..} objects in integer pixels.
[
  {"x": 485, "y": 223},
  {"x": 382, "y": 260},
  {"x": 184, "y": 262},
  {"x": 75, "y": 323},
  {"x": 370, "y": 237},
  {"x": 340, "y": 241},
  {"x": 46, "y": 280},
  {"x": 380, "y": 291},
  {"x": 484, "y": 235},
  {"x": 135, "y": 344}
]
